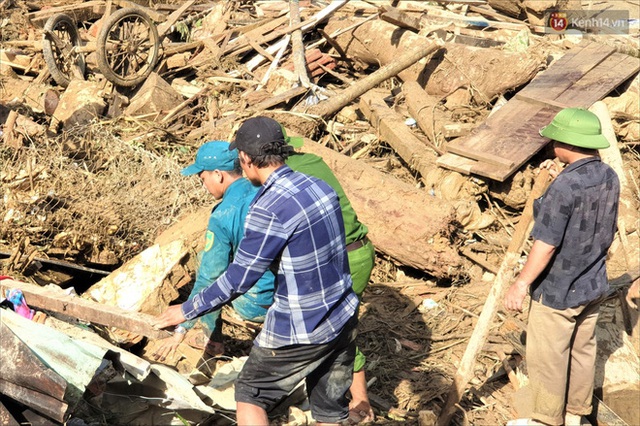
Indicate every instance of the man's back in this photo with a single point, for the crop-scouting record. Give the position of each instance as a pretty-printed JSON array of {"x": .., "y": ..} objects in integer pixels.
[
  {"x": 578, "y": 216},
  {"x": 314, "y": 165},
  {"x": 296, "y": 220}
]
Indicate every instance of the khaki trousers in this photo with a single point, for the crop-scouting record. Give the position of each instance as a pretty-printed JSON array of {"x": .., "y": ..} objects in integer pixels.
[{"x": 561, "y": 354}]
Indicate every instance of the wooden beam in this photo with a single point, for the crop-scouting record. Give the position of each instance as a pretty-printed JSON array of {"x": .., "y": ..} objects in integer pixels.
[
  {"x": 401, "y": 63},
  {"x": 79, "y": 12},
  {"x": 86, "y": 310},
  {"x": 502, "y": 281},
  {"x": 6, "y": 418},
  {"x": 41, "y": 402},
  {"x": 30, "y": 372},
  {"x": 399, "y": 137},
  {"x": 402, "y": 19}
]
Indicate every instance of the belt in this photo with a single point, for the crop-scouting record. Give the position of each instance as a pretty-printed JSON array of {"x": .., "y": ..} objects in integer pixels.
[{"x": 357, "y": 244}]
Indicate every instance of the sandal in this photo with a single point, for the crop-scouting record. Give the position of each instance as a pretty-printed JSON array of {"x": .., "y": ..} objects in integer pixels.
[{"x": 199, "y": 340}]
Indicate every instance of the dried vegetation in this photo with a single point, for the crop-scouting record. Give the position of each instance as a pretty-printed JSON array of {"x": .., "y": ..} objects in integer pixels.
[{"x": 97, "y": 192}]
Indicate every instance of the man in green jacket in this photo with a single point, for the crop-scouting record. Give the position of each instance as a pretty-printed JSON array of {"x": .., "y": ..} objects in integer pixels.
[{"x": 361, "y": 256}]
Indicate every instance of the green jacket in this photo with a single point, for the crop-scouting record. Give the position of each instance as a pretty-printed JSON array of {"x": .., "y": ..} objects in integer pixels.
[{"x": 313, "y": 165}]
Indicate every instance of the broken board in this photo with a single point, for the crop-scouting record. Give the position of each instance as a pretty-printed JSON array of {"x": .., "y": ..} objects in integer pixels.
[
  {"x": 56, "y": 300},
  {"x": 510, "y": 136}
]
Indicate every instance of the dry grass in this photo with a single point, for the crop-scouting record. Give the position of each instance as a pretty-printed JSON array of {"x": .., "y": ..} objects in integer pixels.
[{"x": 87, "y": 194}]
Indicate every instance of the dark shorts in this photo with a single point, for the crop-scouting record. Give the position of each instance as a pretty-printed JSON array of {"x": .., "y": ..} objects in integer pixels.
[{"x": 269, "y": 375}]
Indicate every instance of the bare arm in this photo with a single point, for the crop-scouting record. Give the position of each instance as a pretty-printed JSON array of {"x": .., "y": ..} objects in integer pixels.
[{"x": 539, "y": 257}]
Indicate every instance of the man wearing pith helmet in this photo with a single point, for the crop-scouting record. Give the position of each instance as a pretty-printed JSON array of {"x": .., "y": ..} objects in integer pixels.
[{"x": 565, "y": 272}]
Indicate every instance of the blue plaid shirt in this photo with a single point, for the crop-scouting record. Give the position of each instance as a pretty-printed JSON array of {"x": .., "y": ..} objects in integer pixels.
[
  {"x": 294, "y": 227},
  {"x": 577, "y": 215}
]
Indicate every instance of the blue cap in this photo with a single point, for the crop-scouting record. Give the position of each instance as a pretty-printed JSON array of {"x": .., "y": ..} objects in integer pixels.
[{"x": 213, "y": 155}]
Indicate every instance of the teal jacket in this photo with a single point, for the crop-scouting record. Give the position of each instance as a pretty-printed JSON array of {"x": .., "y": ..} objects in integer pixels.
[{"x": 224, "y": 232}]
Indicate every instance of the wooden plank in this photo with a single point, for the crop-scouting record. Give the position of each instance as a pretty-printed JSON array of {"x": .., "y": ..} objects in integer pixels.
[
  {"x": 601, "y": 80},
  {"x": 89, "y": 10},
  {"x": 86, "y": 310},
  {"x": 541, "y": 102},
  {"x": 603, "y": 415},
  {"x": 6, "y": 418},
  {"x": 486, "y": 157},
  {"x": 566, "y": 71},
  {"x": 511, "y": 134},
  {"x": 432, "y": 13},
  {"x": 467, "y": 166},
  {"x": 494, "y": 141},
  {"x": 30, "y": 372},
  {"x": 79, "y": 12},
  {"x": 401, "y": 19},
  {"x": 164, "y": 27},
  {"x": 262, "y": 34},
  {"x": 43, "y": 403}
]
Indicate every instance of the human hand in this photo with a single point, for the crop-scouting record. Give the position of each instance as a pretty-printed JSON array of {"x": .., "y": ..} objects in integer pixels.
[
  {"x": 515, "y": 296},
  {"x": 168, "y": 346},
  {"x": 172, "y": 316},
  {"x": 633, "y": 293}
]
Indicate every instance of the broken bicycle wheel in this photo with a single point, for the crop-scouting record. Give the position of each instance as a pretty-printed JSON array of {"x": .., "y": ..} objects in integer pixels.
[
  {"x": 59, "y": 49},
  {"x": 127, "y": 47}
]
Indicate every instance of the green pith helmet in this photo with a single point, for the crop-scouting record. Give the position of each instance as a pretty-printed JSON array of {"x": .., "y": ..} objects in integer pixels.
[{"x": 577, "y": 127}]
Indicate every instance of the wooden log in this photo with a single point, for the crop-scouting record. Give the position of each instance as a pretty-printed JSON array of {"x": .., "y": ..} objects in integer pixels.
[
  {"x": 389, "y": 125},
  {"x": 482, "y": 327},
  {"x": 628, "y": 213},
  {"x": 404, "y": 223},
  {"x": 86, "y": 310},
  {"x": 378, "y": 43},
  {"x": 297, "y": 46},
  {"x": 422, "y": 108},
  {"x": 403, "y": 61}
]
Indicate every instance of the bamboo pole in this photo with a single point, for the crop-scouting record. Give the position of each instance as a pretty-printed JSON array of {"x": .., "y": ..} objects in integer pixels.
[
  {"x": 403, "y": 62},
  {"x": 503, "y": 279}
]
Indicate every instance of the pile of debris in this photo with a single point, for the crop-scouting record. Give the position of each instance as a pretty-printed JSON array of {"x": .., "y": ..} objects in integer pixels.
[{"x": 428, "y": 112}]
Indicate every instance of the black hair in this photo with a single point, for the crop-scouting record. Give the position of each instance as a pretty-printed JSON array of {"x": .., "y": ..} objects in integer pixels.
[
  {"x": 275, "y": 153},
  {"x": 237, "y": 169}
]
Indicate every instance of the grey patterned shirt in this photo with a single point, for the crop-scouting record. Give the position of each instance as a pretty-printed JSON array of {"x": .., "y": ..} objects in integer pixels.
[{"x": 577, "y": 215}]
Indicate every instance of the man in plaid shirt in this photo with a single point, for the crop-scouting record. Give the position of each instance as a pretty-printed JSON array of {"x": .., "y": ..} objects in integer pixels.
[{"x": 294, "y": 227}]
